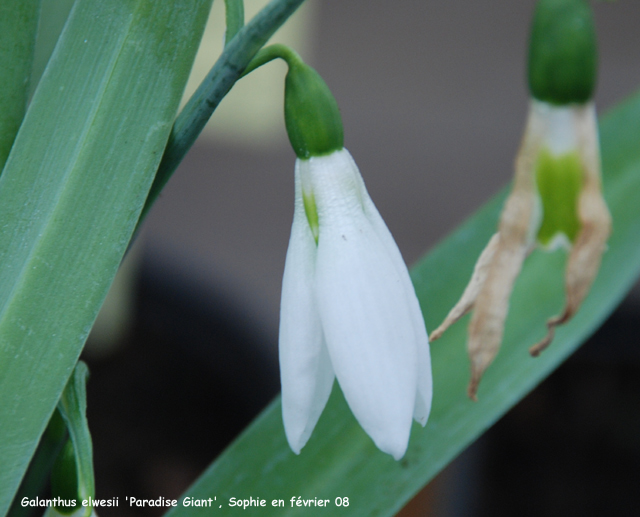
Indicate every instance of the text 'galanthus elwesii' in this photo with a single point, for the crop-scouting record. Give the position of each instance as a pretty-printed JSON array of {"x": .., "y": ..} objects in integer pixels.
[{"x": 348, "y": 306}]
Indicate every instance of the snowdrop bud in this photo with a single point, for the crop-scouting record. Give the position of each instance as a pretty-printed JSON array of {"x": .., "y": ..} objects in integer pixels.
[
  {"x": 311, "y": 113},
  {"x": 562, "y": 52}
]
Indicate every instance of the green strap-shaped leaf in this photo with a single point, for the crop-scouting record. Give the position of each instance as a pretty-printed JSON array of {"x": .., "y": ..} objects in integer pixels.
[
  {"x": 53, "y": 16},
  {"x": 340, "y": 460},
  {"x": 52, "y": 441},
  {"x": 64, "y": 482},
  {"x": 72, "y": 191},
  {"x": 18, "y": 27},
  {"x": 234, "y": 18}
]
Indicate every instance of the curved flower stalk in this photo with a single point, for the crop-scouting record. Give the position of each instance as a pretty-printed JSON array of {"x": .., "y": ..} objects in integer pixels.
[
  {"x": 556, "y": 200},
  {"x": 348, "y": 309}
]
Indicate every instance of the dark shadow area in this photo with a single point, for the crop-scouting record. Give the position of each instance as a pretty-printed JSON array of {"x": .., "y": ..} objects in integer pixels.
[
  {"x": 572, "y": 446},
  {"x": 189, "y": 378}
]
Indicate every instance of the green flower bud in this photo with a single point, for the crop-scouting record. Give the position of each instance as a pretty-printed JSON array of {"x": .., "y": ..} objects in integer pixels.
[
  {"x": 562, "y": 52},
  {"x": 311, "y": 113}
]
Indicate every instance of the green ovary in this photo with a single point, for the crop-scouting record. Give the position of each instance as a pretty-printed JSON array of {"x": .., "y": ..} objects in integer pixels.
[{"x": 559, "y": 180}]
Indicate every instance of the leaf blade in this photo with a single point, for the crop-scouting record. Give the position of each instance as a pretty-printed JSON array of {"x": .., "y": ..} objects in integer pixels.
[
  {"x": 18, "y": 28},
  {"x": 72, "y": 192}
]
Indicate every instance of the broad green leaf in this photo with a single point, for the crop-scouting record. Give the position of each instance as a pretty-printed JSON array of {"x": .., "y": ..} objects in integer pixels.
[
  {"x": 52, "y": 441},
  {"x": 341, "y": 461},
  {"x": 18, "y": 27},
  {"x": 53, "y": 16},
  {"x": 72, "y": 191}
]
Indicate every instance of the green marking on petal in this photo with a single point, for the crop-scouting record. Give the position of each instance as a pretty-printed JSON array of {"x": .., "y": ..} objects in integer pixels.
[
  {"x": 311, "y": 212},
  {"x": 559, "y": 180}
]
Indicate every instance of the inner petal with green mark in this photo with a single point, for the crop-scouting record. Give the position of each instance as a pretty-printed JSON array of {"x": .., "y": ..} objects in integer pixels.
[
  {"x": 559, "y": 181},
  {"x": 311, "y": 211}
]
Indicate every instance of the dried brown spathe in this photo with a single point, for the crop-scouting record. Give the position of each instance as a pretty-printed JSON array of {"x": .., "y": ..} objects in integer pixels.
[{"x": 560, "y": 130}]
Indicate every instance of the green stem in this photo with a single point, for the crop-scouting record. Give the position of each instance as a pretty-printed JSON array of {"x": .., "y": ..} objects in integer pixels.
[
  {"x": 276, "y": 51},
  {"x": 227, "y": 70},
  {"x": 234, "y": 14}
]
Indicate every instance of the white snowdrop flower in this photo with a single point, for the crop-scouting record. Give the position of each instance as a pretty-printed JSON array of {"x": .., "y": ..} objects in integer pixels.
[{"x": 349, "y": 310}]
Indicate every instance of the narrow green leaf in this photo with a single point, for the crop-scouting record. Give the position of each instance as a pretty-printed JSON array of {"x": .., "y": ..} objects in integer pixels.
[
  {"x": 64, "y": 482},
  {"x": 73, "y": 408},
  {"x": 72, "y": 191},
  {"x": 234, "y": 18},
  {"x": 18, "y": 27},
  {"x": 341, "y": 461}
]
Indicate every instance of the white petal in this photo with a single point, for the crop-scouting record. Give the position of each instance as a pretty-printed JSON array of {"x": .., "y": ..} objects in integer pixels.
[
  {"x": 555, "y": 124},
  {"x": 363, "y": 306},
  {"x": 425, "y": 382},
  {"x": 305, "y": 369}
]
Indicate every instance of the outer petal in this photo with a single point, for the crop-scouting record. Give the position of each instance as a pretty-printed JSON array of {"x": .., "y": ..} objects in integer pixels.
[
  {"x": 363, "y": 306},
  {"x": 425, "y": 382},
  {"x": 519, "y": 223},
  {"x": 424, "y": 393},
  {"x": 305, "y": 369},
  {"x": 470, "y": 294}
]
